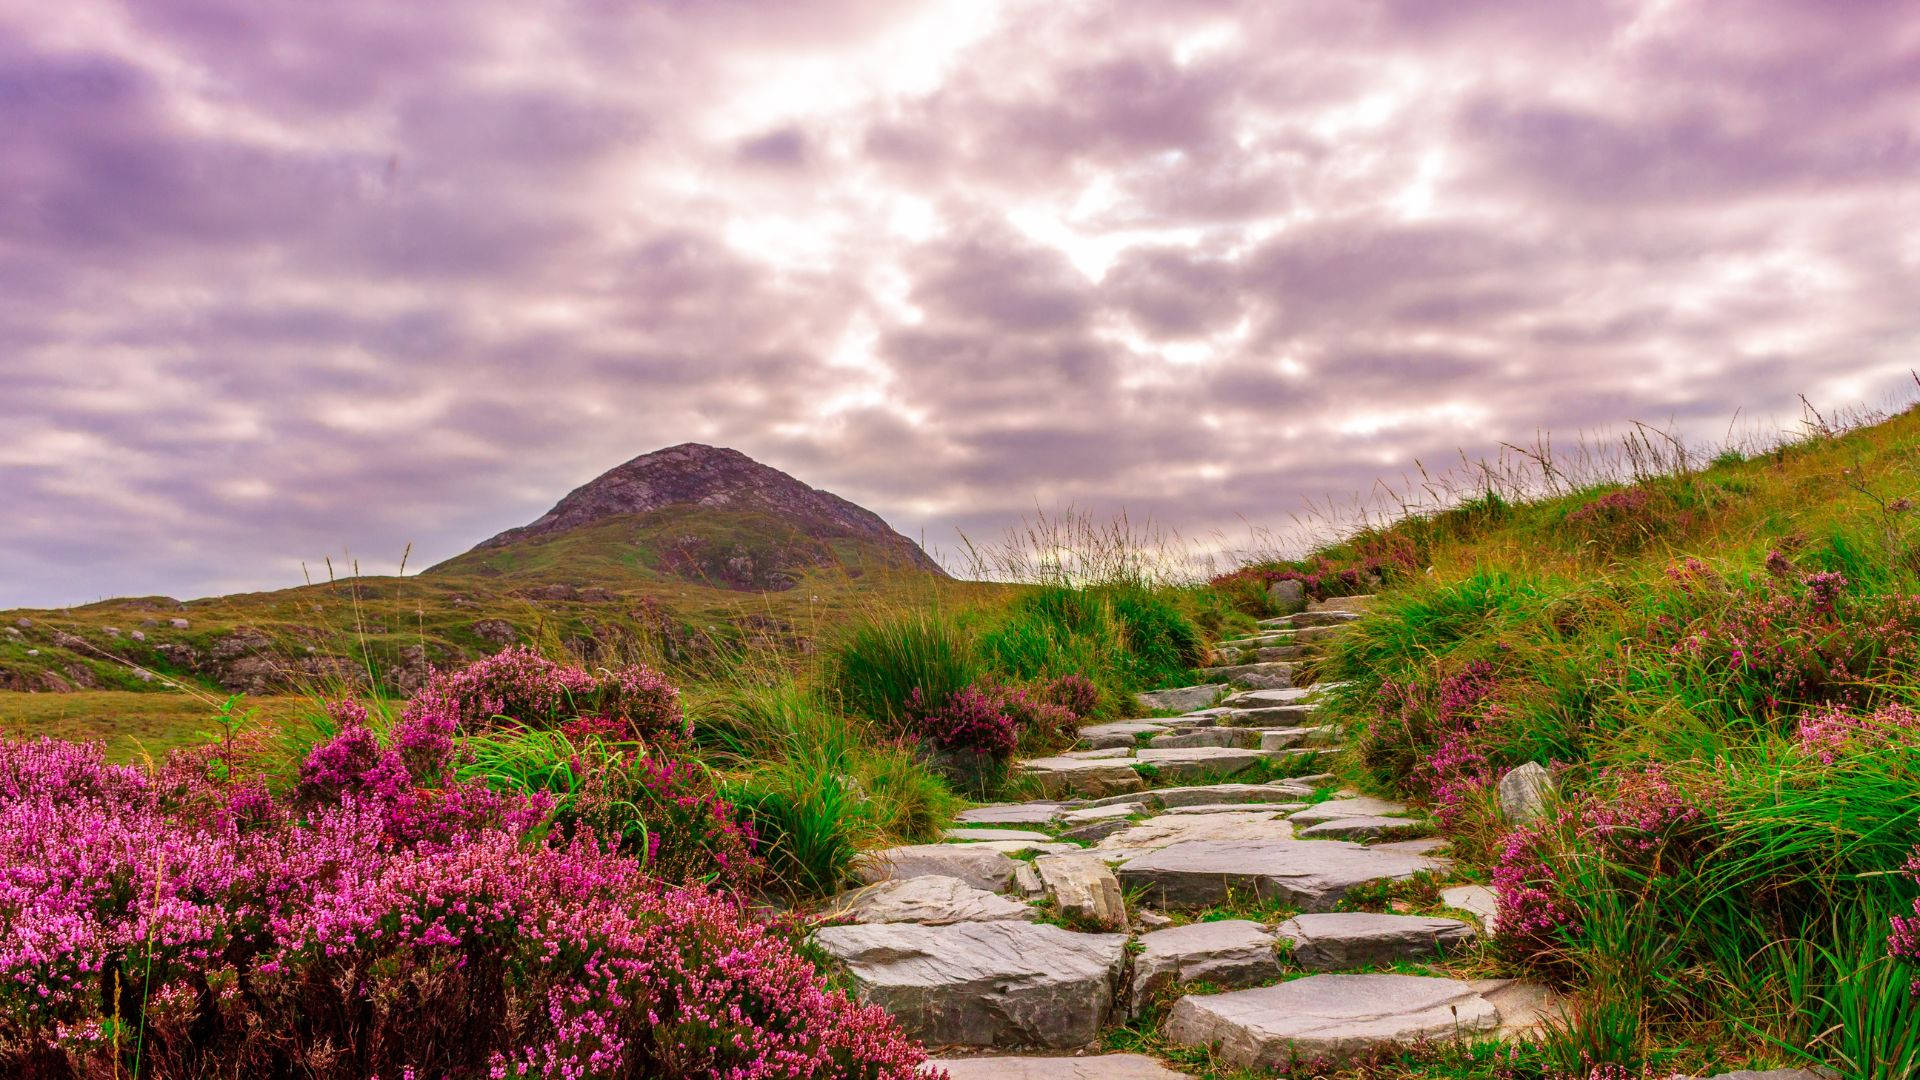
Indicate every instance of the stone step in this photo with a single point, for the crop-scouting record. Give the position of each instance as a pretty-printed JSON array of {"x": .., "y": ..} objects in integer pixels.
[
  {"x": 1307, "y": 619},
  {"x": 1257, "y": 641},
  {"x": 979, "y": 865},
  {"x": 1332, "y": 1018},
  {"x": 1267, "y": 698},
  {"x": 1180, "y": 699},
  {"x": 1176, "y": 764},
  {"x": 1029, "y": 813},
  {"x": 1171, "y": 830},
  {"x": 1330, "y": 941},
  {"x": 1057, "y": 776},
  {"x": 967, "y": 835},
  {"x": 1272, "y": 676},
  {"x": 1237, "y": 737},
  {"x": 1355, "y": 604},
  {"x": 1356, "y": 806},
  {"x": 1119, "y": 733},
  {"x": 1262, "y": 655},
  {"x": 1093, "y": 1067},
  {"x": 1364, "y": 828},
  {"x": 1311, "y": 875},
  {"x": 1192, "y": 795},
  {"x": 931, "y": 899},
  {"x": 1231, "y": 953},
  {"x": 997, "y": 984}
]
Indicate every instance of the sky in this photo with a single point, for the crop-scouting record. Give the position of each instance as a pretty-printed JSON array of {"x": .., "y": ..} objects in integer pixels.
[{"x": 285, "y": 280}]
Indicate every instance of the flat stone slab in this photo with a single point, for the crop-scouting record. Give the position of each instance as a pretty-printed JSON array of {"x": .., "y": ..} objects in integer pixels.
[
  {"x": 1476, "y": 900},
  {"x": 1064, "y": 775},
  {"x": 1350, "y": 939},
  {"x": 1363, "y": 828},
  {"x": 976, "y": 864},
  {"x": 930, "y": 899},
  {"x": 1100, "y": 1067},
  {"x": 1025, "y": 847},
  {"x": 1310, "y": 619},
  {"x": 1119, "y": 733},
  {"x": 1239, "y": 738},
  {"x": 1001, "y": 984},
  {"x": 1196, "y": 761},
  {"x": 1268, "y": 716},
  {"x": 1035, "y": 813},
  {"x": 1425, "y": 845},
  {"x": 1229, "y": 793},
  {"x": 1358, "y": 602},
  {"x": 1095, "y": 831},
  {"x": 1232, "y": 953},
  {"x": 1234, "y": 808},
  {"x": 1104, "y": 753},
  {"x": 1260, "y": 699},
  {"x": 996, "y": 834},
  {"x": 1231, "y": 672},
  {"x": 1181, "y": 698},
  {"x": 1333, "y": 1017},
  {"x": 1107, "y": 812},
  {"x": 1359, "y": 806},
  {"x": 1313, "y": 875},
  {"x": 1159, "y": 832}
]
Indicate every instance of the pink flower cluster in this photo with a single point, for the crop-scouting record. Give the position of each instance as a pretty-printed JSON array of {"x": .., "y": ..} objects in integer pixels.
[
  {"x": 177, "y": 914},
  {"x": 1904, "y": 942},
  {"x": 989, "y": 718},
  {"x": 520, "y": 685},
  {"x": 1832, "y": 731},
  {"x": 1457, "y": 718}
]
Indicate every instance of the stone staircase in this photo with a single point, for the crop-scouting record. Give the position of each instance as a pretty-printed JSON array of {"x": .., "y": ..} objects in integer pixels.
[{"x": 1039, "y": 925}]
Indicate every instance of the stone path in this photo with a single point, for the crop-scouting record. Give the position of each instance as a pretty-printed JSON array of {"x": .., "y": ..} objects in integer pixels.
[{"x": 1039, "y": 925}]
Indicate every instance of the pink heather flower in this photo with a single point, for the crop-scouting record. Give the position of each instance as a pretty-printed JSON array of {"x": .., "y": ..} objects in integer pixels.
[
  {"x": 1832, "y": 731},
  {"x": 970, "y": 720}
]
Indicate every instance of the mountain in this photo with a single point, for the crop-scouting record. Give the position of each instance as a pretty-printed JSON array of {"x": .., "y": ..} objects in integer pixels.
[
  {"x": 730, "y": 521},
  {"x": 685, "y": 555}
]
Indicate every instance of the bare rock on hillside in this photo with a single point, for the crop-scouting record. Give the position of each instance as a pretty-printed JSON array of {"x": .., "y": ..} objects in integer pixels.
[
  {"x": 1525, "y": 792},
  {"x": 1287, "y": 596},
  {"x": 496, "y": 632}
]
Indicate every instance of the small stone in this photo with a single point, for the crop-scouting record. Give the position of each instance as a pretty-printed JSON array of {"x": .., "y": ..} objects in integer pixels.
[
  {"x": 143, "y": 674},
  {"x": 137, "y": 635},
  {"x": 110, "y": 631},
  {"x": 1026, "y": 882},
  {"x": 177, "y": 624},
  {"x": 1476, "y": 900},
  {"x": 931, "y": 899},
  {"x": 1525, "y": 793},
  {"x": 11, "y": 632},
  {"x": 1149, "y": 919},
  {"x": 976, "y": 864},
  {"x": 1083, "y": 889},
  {"x": 1231, "y": 953},
  {"x": 1334, "y": 940},
  {"x": 1019, "y": 848}
]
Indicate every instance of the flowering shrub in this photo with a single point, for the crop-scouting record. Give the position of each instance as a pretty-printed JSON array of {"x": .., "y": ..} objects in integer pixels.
[
  {"x": 1440, "y": 736},
  {"x": 1904, "y": 942},
  {"x": 1075, "y": 693},
  {"x": 1828, "y": 733},
  {"x": 1382, "y": 557},
  {"x": 663, "y": 811},
  {"x": 1534, "y": 908},
  {"x": 521, "y": 685},
  {"x": 1798, "y": 639},
  {"x": 172, "y": 922},
  {"x": 969, "y": 720}
]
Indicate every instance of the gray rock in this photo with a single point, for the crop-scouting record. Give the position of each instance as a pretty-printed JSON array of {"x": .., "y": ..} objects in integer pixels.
[
  {"x": 1010, "y": 814},
  {"x": 1351, "y": 604},
  {"x": 1267, "y": 716},
  {"x": 1260, "y": 699},
  {"x": 1308, "y": 620},
  {"x": 1159, "y": 832},
  {"x": 1287, "y": 596},
  {"x": 177, "y": 624},
  {"x": 976, "y": 864},
  {"x": 1113, "y": 811},
  {"x": 983, "y": 983},
  {"x": 1335, "y": 940},
  {"x": 1148, "y": 919},
  {"x": 1027, "y": 883},
  {"x": 1331, "y": 1017},
  {"x": 970, "y": 835},
  {"x": 137, "y": 635},
  {"x": 1476, "y": 900},
  {"x": 1119, "y": 733},
  {"x": 1104, "y": 753},
  {"x": 1234, "y": 808},
  {"x": 930, "y": 899},
  {"x": 1270, "y": 676},
  {"x": 1193, "y": 762},
  {"x": 1425, "y": 845},
  {"x": 1359, "y": 806},
  {"x": 1058, "y": 776},
  {"x": 1236, "y": 737},
  {"x": 1311, "y": 875},
  {"x": 1363, "y": 828},
  {"x": 1180, "y": 699},
  {"x": 1225, "y": 793},
  {"x": 1025, "y": 847},
  {"x": 1525, "y": 793},
  {"x": 1083, "y": 889},
  {"x": 1095, "y": 831},
  {"x": 12, "y": 633},
  {"x": 1100, "y": 1067},
  {"x": 1232, "y": 953}
]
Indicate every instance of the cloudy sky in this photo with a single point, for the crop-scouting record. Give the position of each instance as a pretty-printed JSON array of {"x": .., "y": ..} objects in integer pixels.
[{"x": 284, "y": 279}]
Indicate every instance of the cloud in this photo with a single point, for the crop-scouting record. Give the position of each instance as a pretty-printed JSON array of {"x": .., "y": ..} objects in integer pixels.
[{"x": 278, "y": 282}]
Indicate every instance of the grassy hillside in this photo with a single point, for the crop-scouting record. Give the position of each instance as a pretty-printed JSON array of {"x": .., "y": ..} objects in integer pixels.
[{"x": 1717, "y": 662}]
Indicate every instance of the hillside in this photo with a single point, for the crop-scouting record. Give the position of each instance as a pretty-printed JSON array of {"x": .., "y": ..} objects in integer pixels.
[{"x": 683, "y": 555}]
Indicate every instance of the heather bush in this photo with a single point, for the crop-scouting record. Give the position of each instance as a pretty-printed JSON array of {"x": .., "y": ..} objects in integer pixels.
[
  {"x": 170, "y": 925},
  {"x": 520, "y": 686}
]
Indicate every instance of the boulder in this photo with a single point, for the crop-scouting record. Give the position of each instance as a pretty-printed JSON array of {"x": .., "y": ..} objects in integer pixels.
[
  {"x": 1180, "y": 699},
  {"x": 1287, "y": 596},
  {"x": 1083, "y": 890},
  {"x": 1350, "y": 939},
  {"x": 979, "y": 866},
  {"x": 1231, "y": 953},
  {"x": 1099, "y": 1067},
  {"x": 1332, "y": 1018},
  {"x": 930, "y": 899},
  {"x": 1526, "y": 792},
  {"x": 1311, "y": 875},
  {"x": 983, "y": 983}
]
